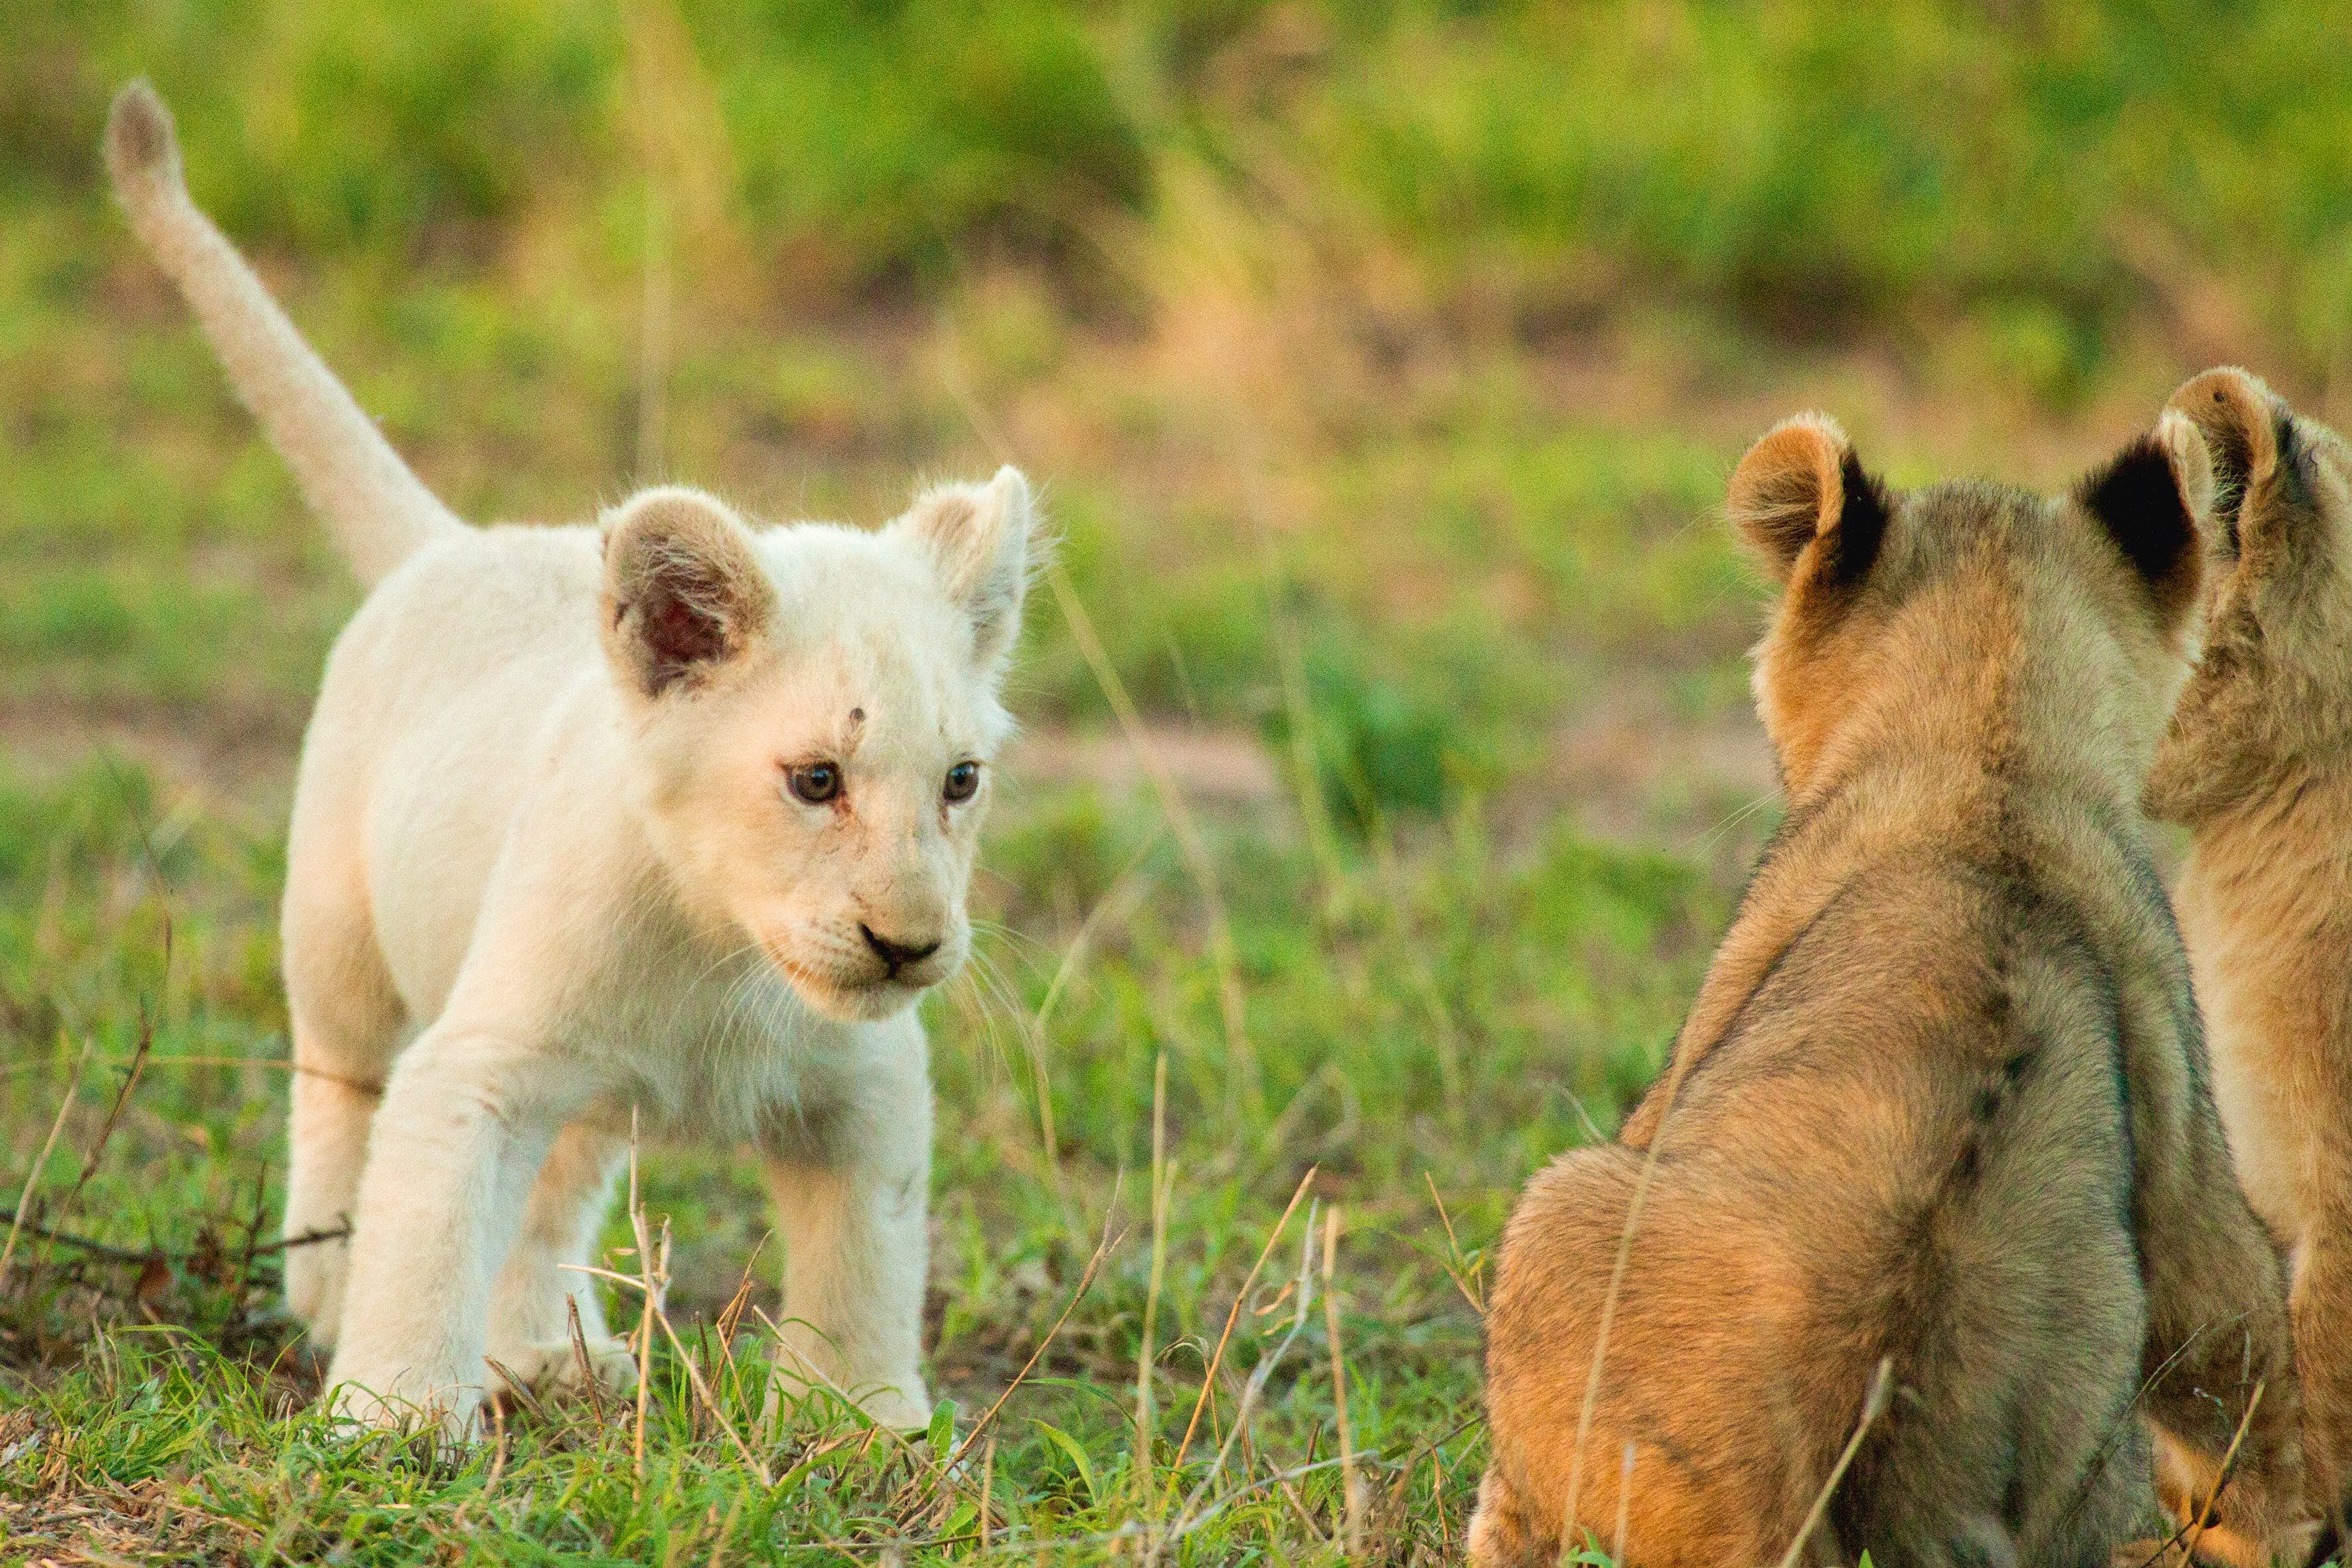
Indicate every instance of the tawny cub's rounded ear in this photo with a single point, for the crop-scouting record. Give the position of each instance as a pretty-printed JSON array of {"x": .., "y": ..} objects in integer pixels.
[
  {"x": 1799, "y": 484},
  {"x": 2243, "y": 422},
  {"x": 982, "y": 538},
  {"x": 2152, "y": 499},
  {"x": 684, "y": 593}
]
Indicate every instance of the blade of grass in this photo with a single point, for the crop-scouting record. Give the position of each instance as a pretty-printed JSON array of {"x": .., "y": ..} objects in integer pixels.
[{"x": 41, "y": 1159}]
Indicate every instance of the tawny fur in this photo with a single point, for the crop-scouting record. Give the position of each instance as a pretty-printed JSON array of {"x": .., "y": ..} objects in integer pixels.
[
  {"x": 1941, "y": 1099},
  {"x": 550, "y": 876},
  {"x": 2258, "y": 766}
]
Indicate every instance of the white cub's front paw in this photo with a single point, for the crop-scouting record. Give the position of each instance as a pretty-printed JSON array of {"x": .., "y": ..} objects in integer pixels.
[
  {"x": 440, "y": 1403},
  {"x": 554, "y": 1366},
  {"x": 900, "y": 1409}
]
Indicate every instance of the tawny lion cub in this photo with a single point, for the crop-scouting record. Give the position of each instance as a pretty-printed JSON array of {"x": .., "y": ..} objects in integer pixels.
[
  {"x": 1939, "y": 1102},
  {"x": 671, "y": 817},
  {"x": 2258, "y": 766}
]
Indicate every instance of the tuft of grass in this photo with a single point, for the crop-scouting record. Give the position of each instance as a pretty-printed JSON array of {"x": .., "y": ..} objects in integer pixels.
[{"x": 153, "y": 1391}]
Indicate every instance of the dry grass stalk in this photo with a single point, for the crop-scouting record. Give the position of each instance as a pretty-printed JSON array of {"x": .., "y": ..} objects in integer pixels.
[
  {"x": 1351, "y": 1485},
  {"x": 1189, "y": 841},
  {"x": 1194, "y": 848},
  {"x": 702, "y": 1389},
  {"x": 2194, "y": 1531},
  {"x": 1617, "y": 1282},
  {"x": 1160, "y": 1177},
  {"x": 987, "y": 1490},
  {"x": 41, "y": 1159},
  {"x": 1624, "y": 1504},
  {"x": 1882, "y": 1391},
  {"x": 1302, "y": 1289},
  {"x": 1472, "y": 1288},
  {"x": 1217, "y": 1359},
  {"x": 579, "y": 1359},
  {"x": 1102, "y": 1249},
  {"x": 645, "y": 1338}
]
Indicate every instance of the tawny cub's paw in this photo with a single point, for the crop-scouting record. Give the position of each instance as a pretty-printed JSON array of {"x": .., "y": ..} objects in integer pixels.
[
  {"x": 2215, "y": 1549},
  {"x": 554, "y": 1366}
]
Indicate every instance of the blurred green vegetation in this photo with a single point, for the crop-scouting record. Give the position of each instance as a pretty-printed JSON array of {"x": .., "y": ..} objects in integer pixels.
[
  {"x": 1380, "y": 362},
  {"x": 1803, "y": 167}
]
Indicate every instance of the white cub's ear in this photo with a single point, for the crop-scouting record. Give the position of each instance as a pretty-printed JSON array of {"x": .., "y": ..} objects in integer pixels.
[
  {"x": 982, "y": 538},
  {"x": 684, "y": 593}
]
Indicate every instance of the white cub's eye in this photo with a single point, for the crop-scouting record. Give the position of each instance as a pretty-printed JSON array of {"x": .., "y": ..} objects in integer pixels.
[
  {"x": 963, "y": 782},
  {"x": 818, "y": 784}
]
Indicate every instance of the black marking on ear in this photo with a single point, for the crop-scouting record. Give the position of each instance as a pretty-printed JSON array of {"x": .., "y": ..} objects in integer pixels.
[
  {"x": 2137, "y": 499},
  {"x": 2294, "y": 487},
  {"x": 1862, "y": 514},
  {"x": 2232, "y": 456}
]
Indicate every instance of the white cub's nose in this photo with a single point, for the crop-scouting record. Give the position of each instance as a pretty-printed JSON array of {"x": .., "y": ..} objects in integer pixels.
[{"x": 895, "y": 951}]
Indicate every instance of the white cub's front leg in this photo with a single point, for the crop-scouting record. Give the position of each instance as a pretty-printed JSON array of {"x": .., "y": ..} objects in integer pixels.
[
  {"x": 456, "y": 1147},
  {"x": 853, "y": 1209},
  {"x": 532, "y": 1303}
]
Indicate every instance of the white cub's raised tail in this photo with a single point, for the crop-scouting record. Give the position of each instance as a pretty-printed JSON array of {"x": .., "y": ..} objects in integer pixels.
[{"x": 379, "y": 511}]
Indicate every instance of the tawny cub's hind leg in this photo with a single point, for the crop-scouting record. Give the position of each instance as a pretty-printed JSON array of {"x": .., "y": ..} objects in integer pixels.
[
  {"x": 2219, "y": 1357},
  {"x": 346, "y": 1023},
  {"x": 531, "y": 1306},
  {"x": 2321, "y": 1302}
]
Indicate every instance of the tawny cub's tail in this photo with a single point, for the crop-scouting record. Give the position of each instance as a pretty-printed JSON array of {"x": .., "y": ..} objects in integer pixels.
[{"x": 378, "y": 511}]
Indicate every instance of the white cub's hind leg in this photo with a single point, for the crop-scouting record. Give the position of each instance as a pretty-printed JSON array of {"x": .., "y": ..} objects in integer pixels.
[
  {"x": 346, "y": 1025},
  {"x": 853, "y": 1211},
  {"x": 327, "y": 1133},
  {"x": 530, "y": 1305}
]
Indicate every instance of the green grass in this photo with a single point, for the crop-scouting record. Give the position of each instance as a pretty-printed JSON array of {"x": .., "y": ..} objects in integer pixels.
[
  {"x": 1383, "y": 365},
  {"x": 1388, "y": 1015}
]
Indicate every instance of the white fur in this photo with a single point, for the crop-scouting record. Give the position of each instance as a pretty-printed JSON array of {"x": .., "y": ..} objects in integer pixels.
[{"x": 545, "y": 871}]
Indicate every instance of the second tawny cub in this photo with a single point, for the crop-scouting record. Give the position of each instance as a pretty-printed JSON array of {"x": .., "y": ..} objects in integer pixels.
[
  {"x": 1939, "y": 1106},
  {"x": 2258, "y": 766}
]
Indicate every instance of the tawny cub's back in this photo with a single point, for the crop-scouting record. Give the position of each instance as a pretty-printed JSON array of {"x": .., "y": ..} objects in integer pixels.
[{"x": 1936, "y": 1097}]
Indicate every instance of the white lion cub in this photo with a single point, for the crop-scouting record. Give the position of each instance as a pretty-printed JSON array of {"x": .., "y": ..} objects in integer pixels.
[{"x": 670, "y": 816}]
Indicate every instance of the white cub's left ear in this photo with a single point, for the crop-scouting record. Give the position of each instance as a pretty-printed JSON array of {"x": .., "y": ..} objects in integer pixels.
[{"x": 982, "y": 538}]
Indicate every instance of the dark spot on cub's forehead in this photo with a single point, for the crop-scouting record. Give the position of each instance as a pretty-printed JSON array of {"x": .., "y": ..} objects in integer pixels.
[{"x": 857, "y": 715}]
